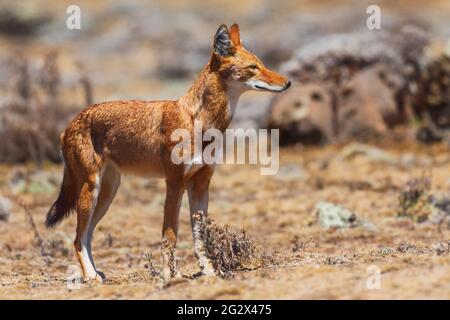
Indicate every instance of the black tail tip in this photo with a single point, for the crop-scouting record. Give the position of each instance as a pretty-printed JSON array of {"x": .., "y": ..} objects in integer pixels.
[{"x": 52, "y": 218}]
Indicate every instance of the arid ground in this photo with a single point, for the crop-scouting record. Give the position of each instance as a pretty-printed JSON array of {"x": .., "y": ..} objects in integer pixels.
[
  {"x": 154, "y": 50},
  {"x": 309, "y": 261}
]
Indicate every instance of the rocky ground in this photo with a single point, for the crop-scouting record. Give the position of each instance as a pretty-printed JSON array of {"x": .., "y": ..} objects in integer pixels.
[
  {"x": 307, "y": 260},
  {"x": 154, "y": 50}
]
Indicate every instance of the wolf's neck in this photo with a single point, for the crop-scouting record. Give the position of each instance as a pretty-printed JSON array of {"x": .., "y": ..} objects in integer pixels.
[{"x": 210, "y": 100}]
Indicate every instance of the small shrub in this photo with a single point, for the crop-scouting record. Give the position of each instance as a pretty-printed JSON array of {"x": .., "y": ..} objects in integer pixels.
[
  {"x": 414, "y": 199},
  {"x": 154, "y": 272},
  {"x": 230, "y": 250}
]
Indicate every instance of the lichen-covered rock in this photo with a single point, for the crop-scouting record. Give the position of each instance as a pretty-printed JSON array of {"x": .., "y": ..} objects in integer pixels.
[
  {"x": 39, "y": 182},
  {"x": 331, "y": 215}
]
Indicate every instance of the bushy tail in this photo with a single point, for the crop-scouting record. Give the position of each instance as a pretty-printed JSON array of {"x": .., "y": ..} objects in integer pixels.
[{"x": 64, "y": 204}]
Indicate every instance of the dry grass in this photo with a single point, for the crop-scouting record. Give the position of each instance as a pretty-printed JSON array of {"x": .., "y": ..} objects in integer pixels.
[
  {"x": 310, "y": 261},
  {"x": 35, "y": 114}
]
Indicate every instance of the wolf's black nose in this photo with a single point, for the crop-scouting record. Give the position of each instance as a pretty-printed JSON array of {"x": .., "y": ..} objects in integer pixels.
[{"x": 287, "y": 84}]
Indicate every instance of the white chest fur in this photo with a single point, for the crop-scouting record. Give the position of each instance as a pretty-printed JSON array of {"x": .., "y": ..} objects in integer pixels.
[
  {"x": 233, "y": 93},
  {"x": 232, "y": 104}
]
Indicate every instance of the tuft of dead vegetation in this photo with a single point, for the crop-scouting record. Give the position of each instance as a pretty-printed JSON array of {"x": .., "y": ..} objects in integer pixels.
[
  {"x": 417, "y": 202},
  {"x": 230, "y": 250},
  {"x": 300, "y": 246},
  {"x": 35, "y": 113},
  {"x": 414, "y": 199},
  {"x": 47, "y": 248},
  {"x": 336, "y": 260},
  {"x": 153, "y": 271}
]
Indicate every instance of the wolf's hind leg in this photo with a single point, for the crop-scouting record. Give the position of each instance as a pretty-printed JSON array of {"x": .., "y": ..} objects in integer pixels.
[
  {"x": 110, "y": 182},
  {"x": 87, "y": 202}
]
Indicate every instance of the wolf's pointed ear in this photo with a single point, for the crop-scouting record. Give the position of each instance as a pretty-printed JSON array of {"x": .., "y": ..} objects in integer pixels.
[
  {"x": 223, "y": 46},
  {"x": 235, "y": 35}
]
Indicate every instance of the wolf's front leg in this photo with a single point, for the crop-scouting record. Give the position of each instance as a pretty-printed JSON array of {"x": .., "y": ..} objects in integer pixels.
[
  {"x": 199, "y": 233},
  {"x": 198, "y": 203},
  {"x": 174, "y": 195}
]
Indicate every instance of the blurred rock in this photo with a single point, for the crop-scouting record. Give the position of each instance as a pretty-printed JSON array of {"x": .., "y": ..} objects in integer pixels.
[
  {"x": 372, "y": 153},
  {"x": 427, "y": 135},
  {"x": 303, "y": 113},
  {"x": 433, "y": 100},
  {"x": 38, "y": 182},
  {"x": 291, "y": 172},
  {"x": 5, "y": 209},
  {"x": 22, "y": 20},
  {"x": 410, "y": 159},
  {"x": 331, "y": 215},
  {"x": 338, "y": 56},
  {"x": 367, "y": 81},
  {"x": 365, "y": 106}
]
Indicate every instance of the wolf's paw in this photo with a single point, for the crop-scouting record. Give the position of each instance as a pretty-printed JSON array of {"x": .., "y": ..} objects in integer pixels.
[{"x": 95, "y": 278}]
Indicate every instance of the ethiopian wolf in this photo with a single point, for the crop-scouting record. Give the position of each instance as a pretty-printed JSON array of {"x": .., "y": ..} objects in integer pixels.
[{"x": 108, "y": 139}]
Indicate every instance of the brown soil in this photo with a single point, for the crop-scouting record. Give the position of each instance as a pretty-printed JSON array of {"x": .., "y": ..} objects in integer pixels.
[{"x": 277, "y": 212}]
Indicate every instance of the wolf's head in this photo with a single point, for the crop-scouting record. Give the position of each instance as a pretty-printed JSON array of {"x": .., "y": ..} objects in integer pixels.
[{"x": 238, "y": 67}]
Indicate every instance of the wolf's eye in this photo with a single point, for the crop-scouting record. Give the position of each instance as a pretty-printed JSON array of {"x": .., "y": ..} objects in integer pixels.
[{"x": 253, "y": 66}]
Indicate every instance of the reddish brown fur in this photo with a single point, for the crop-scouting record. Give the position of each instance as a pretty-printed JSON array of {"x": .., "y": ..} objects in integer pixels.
[{"x": 134, "y": 136}]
